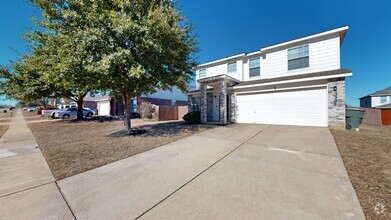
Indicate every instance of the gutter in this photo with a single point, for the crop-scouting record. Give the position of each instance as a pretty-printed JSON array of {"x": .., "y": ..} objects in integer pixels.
[{"x": 293, "y": 81}]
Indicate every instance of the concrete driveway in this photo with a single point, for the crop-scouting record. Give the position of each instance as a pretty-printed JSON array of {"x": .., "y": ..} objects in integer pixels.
[{"x": 233, "y": 172}]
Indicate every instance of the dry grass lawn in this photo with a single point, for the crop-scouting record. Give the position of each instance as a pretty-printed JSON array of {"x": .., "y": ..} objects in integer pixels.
[
  {"x": 29, "y": 114},
  {"x": 74, "y": 147},
  {"x": 3, "y": 129},
  {"x": 33, "y": 116},
  {"x": 367, "y": 158},
  {"x": 8, "y": 115}
]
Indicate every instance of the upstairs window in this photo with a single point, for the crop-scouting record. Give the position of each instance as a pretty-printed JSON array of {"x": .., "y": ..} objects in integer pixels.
[
  {"x": 202, "y": 73},
  {"x": 383, "y": 99},
  {"x": 255, "y": 67},
  {"x": 231, "y": 67},
  {"x": 298, "y": 57}
]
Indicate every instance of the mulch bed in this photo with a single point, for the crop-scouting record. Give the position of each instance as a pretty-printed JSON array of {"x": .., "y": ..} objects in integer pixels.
[
  {"x": 72, "y": 147},
  {"x": 367, "y": 158}
]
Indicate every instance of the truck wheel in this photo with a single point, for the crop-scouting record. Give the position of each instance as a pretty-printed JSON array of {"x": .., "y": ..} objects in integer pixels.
[
  {"x": 89, "y": 114},
  {"x": 66, "y": 117}
]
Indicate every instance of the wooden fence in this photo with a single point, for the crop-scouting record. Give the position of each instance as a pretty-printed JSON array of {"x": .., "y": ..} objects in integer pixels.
[
  {"x": 386, "y": 116},
  {"x": 167, "y": 113},
  {"x": 372, "y": 116}
]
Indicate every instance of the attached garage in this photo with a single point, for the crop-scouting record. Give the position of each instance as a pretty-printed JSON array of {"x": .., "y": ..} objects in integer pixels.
[{"x": 306, "y": 107}]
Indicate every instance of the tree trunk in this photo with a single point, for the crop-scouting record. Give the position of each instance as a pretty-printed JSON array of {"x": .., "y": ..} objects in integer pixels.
[
  {"x": 79, "y": 102},
  {"x": 127, "y": 121},
  {"x": 43, "y": 102}
]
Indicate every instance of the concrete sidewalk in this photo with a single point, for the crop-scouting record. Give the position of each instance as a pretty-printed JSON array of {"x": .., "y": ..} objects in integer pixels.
[
  {"x": 27, "y": 187},
  {"x": 232, "y": 172}
]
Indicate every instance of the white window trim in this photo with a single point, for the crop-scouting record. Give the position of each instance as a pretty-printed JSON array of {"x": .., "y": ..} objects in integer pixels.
[
  {"x": 385, "y": 99},
  {"x": 300, "y": 69},
  {"x": 236, "y": 70},
  {"x": 199, "y": 74},
  {"x": 253, "y": 77}
]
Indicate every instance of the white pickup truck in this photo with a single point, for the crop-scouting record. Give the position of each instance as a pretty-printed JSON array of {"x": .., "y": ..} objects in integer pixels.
[{"x": 50, "y": 112}]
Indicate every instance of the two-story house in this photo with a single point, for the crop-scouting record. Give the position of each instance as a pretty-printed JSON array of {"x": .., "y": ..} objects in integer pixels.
[
  {"x": 299, "y": 82},
  {"x": 379, "y": 99}
]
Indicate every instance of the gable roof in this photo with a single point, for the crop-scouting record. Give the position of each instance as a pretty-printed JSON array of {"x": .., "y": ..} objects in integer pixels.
[
  {"x": 386, "y": 91},
  {"x": 96, "y": 97},
  {"x": 293, "y": 77},
  {"x": 384, "y": 106}
]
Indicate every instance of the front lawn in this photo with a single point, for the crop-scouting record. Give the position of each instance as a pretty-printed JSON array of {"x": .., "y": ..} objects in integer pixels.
[
  {"x": 72, "y": 147},
  {"x": 367, "y": 158},
  {"x": 27, "y": 114},
  {"x": 8, "y": 115}
]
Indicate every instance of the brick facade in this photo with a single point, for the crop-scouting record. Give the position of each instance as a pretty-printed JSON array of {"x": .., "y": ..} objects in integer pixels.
[
  {"x": 203, "y": 103},
  {"x": 232, "y": 108},
  {"x": 223, "y": 102},
  {"x": 336, "y": 102}
]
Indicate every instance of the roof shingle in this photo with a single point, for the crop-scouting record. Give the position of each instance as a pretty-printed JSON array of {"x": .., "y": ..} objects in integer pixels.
[{"x": 386, "y": 91}]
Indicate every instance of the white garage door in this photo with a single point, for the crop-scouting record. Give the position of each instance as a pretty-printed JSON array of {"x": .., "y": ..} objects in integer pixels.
[
  {"x": 104, "y": 108},
  {"x": 298, "y": 107}
]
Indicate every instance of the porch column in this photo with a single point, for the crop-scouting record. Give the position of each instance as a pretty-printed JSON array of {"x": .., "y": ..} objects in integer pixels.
[
  {"x": 203, "y": 103},
  {"x": 232, "y": 106},
  {"x": 223, "y": 102}
]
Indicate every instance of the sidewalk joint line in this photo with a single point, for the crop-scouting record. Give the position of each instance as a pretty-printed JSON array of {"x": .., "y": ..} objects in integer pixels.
[
  {"x": 191, "y": 180},
  {"x": 65, "y": 200},
  {"x": 30, "y": 188}
]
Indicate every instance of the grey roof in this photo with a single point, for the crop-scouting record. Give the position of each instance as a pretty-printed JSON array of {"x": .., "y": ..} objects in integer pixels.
[
  {"x": 301, "y": 76},
  {"x": 96, "y": 97},
  {"x": 197, "y": 91},
  {"x": 384, "y": 106},
  {"x": 217, "y": 77},
  {"x": 386, "y": 91}
]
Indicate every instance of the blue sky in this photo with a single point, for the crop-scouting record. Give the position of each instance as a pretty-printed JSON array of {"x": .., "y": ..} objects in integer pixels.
[{"x": 228, "y": 27}]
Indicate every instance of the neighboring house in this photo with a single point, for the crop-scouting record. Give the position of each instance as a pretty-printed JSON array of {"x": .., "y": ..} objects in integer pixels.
[
  {"x": 377, "y": 99},
  {"x": 167, "y": 97},
  {"x": 61, "y": 102},
  {"x": 99, "y": 103},
  {"x": 299, "y": 82},
  {"x": 109, "y": 105}
]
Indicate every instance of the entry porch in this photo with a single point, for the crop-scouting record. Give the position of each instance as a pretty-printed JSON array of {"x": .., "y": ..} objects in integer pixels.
[{"x": 216, "y": 99}]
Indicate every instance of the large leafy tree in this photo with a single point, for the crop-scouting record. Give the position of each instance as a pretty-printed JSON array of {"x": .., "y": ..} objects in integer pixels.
[
  {"x": 148, "y": 45},
  {"x": 55, "y": 68},
  {"x": 58, "y": 65},
  {"x": 138, "y": 46}
]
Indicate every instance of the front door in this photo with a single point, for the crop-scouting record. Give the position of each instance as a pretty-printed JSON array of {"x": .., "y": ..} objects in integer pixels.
[{"x": 209, "y": 107}]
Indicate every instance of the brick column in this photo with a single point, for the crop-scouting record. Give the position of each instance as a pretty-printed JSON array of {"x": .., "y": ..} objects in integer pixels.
[
  {"x": 223, "y": 102},
  {"x": 203, "y": 103}
]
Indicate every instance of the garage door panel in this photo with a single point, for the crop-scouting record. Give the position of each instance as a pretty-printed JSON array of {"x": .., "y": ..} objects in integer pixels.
[
  {"x": 104, "y": 108},
  {"x": 301, "y": 107}
]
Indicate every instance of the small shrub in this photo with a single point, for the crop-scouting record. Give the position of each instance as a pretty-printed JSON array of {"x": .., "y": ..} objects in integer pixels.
[
  {"x": 147, "y": 110},
  {"x": 193, "y": 117}
]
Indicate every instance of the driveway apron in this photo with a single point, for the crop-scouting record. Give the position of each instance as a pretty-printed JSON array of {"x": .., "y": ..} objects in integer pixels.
[
  {"x": 233, "y": 172},
  {"x": 284, "y": 172}
]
